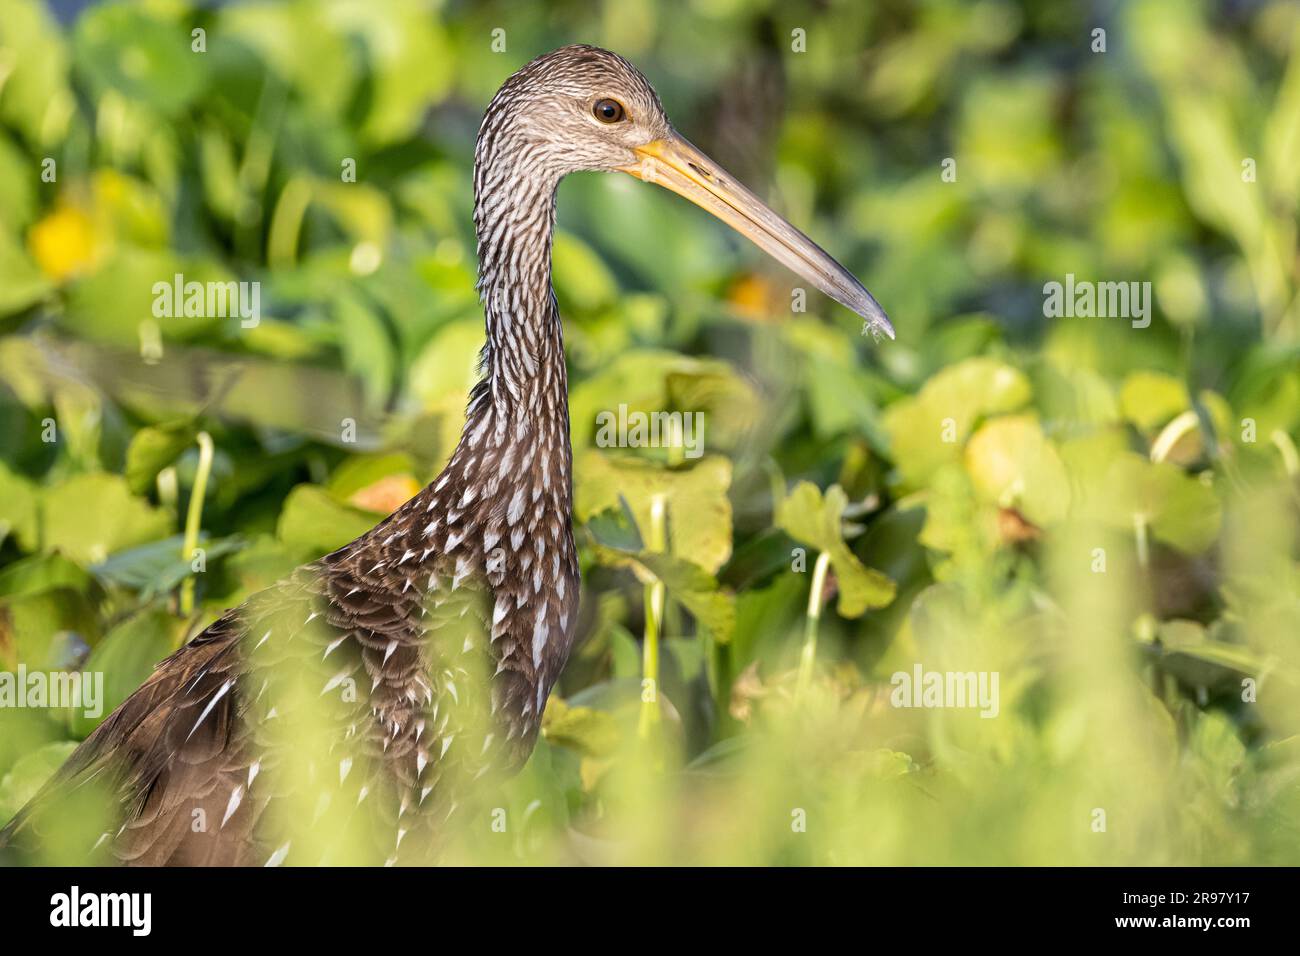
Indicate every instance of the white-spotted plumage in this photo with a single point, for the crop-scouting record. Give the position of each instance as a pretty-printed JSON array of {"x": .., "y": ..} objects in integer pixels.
[{"x": 459, "y": 606}]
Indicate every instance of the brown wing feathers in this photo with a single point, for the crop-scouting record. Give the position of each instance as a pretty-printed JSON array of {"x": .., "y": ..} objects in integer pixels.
[{"x": 383, "y": 683}]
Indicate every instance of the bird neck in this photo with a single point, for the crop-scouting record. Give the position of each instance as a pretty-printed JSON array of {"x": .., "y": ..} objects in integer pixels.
[
  {"x": 523, "y": 356},
  {"x": 502, "y": 505},
  {"x": 516, "y": 434}
]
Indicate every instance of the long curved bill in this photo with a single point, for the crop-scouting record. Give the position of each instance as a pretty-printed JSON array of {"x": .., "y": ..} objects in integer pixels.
[{"x": 677, "y": 165}]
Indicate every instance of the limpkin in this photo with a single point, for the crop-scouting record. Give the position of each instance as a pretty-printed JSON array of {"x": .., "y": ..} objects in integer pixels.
[{"x": 428, "y": 646}]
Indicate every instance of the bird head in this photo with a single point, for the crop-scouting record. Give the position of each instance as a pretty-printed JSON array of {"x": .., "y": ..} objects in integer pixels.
[{"x": 584, "y": 108}]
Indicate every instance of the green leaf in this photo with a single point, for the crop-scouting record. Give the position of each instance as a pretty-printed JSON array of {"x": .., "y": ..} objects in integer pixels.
[
  {"x": 19, "y": 514},
  {"x": 1006, "y": 129},
  {"x": 29, "y": 774},
  {"x": 317, "y": 523},
  {"x": 1073, "y": 395},
  {"x": 126, "y": 656},
  {"x": 122, "y": 47},
  {"x": 291, "y": 42},
  {"x": 152, "y": 449},
  {"x": 218, "y": 172},
  {"x": 884, "y": 763},
  {"x": 616, "y": 529},
  {"x": 955, "y": 520},
  {"x": 36, "y": 100},
  {"x": 36, "y": 620},
  {"x": 42, "y": 572},
  {"x": 364, "y": 212},
  {"x": 21, "y": 283},
  {"x": 1180, "y": 510},
  {"x": 625, "y": 653},
  {"x": 591, "y": 732},
  {"x": 259, "y": 565},
  {"x": 690, "y": 585},
  {"x": 366, "y": 345},
  {"x": 817, "y": 521},
  {"x": 1215, "y": 741},
  {"x": 928, "y": 430},
  {"x": 111, "y": 304},
  {"x": 411, "y": 63},
  {"x": 362, "y": 471},
  {"x": 837, "y": 390},
  {"x": 766, "y": 616},
  {"x": 1149, "y": 399},
  {"x": 159, "y": 566},
  {"x": 89, "y": 517},
  {"x": 1014, "y": 466},
  {"x": 650, "y": 381},
  {"x": 582, "y": 280},
  {"x": 1088, "y": 458},
  {"x": 1189, "y": 652},
  {"x": 698, "y": 509},
  {"x": 444, "y": 372}
]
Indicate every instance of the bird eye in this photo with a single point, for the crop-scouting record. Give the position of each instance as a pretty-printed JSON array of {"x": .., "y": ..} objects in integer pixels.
[{"x": 608, "y": 111}]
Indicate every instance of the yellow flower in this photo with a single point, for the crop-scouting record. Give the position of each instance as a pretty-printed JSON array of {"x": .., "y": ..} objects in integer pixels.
[
  {"x": 756, "y": 298},
  {"x": 64, "y": 243}
]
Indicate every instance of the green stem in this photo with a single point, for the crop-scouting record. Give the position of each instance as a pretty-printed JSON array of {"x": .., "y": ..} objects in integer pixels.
[
  {"x": 1286, "y": 448},
  {"x": 166, "y": 482},
  {"x": 1143, "y": 545},
  {"x": 194, "y": 517},
  {"x": 676, "y": 450},
  {"x": 808, "y": 656},
  {"x": 1171, "y": 433},
  {"x": 286, "y": 223},
  {"x": 654, "y": 613}
]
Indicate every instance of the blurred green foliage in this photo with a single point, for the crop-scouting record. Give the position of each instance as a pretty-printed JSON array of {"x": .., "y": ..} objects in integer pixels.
[{"x": 1106, "y": 516}]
